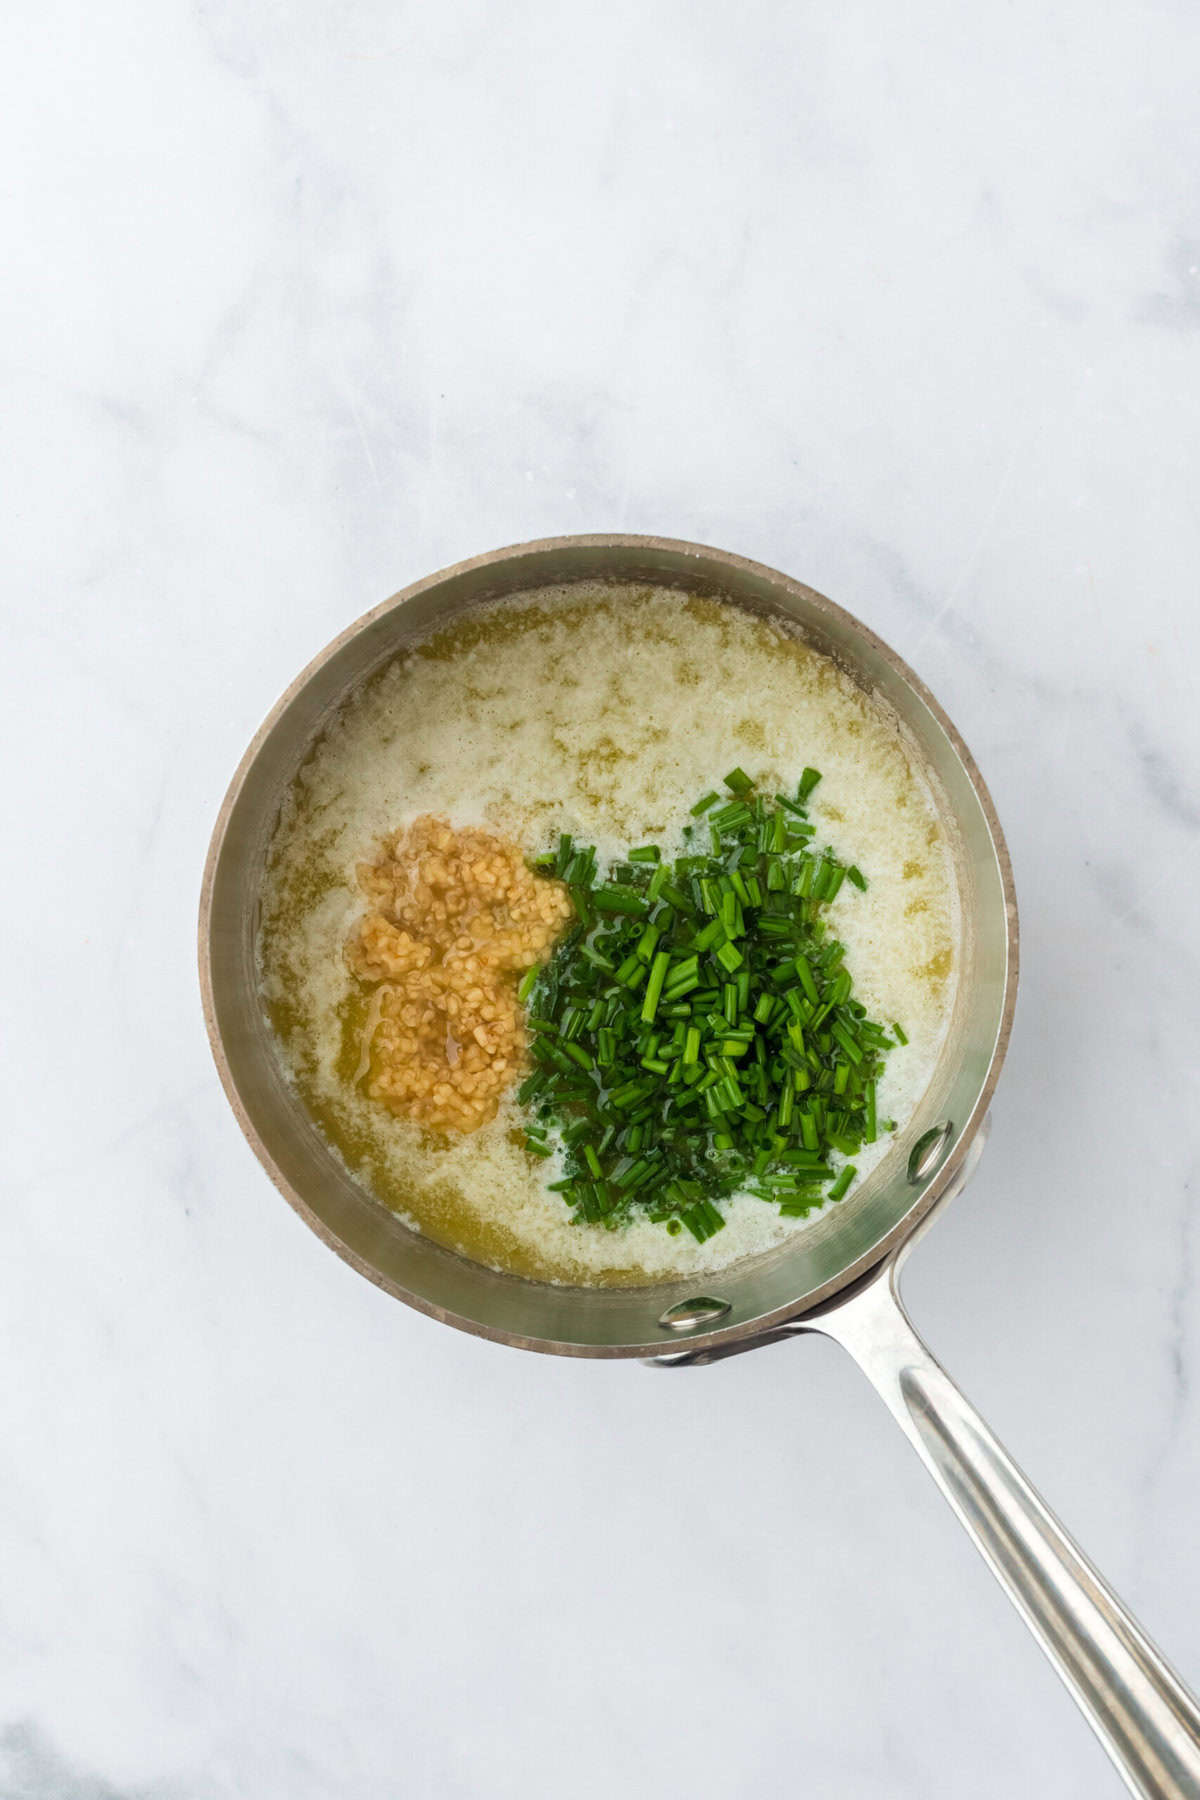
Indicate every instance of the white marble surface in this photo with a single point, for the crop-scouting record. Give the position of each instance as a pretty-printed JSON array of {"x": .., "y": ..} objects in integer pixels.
[{"x": 302, "y": 302}]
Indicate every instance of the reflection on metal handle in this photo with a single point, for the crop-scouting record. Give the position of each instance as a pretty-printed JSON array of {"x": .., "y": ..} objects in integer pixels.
[
  {"x": 1142, "y": 1713},
  {"x": 1147, "y": 1720}
]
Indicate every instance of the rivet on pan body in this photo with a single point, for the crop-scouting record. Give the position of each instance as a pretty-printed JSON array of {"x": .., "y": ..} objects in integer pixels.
[
  {"x": 689, "y": 1315},
  {"x": 929, "y": 1152}
]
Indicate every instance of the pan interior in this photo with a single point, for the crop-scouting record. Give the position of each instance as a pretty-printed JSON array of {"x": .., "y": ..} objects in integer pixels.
[{"x": 600, "y": 1321}]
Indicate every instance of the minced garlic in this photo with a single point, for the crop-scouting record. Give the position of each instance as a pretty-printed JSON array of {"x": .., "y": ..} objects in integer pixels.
[{"x": 454, "y": 915}]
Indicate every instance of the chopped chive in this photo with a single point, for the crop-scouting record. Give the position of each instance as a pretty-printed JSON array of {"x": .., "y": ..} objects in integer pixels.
[
  {"x": 528, "y": 983},
  {"x": 821, "y": 880},
  {"x": 738, "y": 782},
  {"x": 855, "y": 874},
  {"x": 617, "y": 899},
  {"x": 807, "y": 979},
  {"x": 647, "y": 941},
  {"x": 900, "y": 1035},
  {"x": 842, "y": 1183},
  {"x": 808, "y": 782},
  {"x": 654, "y": 985},
  {"x": 713, "y": 933}
]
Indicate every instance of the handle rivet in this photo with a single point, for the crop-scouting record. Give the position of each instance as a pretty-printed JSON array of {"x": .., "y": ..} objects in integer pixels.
[
  {"x": 929, "y": 1152},
  {"x": 689, "y": 1315}
]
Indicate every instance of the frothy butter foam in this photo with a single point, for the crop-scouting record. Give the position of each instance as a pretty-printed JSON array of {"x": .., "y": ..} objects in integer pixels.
[{"x": 604, "y": 711}]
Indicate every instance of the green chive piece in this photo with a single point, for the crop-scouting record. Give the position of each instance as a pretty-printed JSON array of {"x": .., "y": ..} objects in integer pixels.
[
  {"x": 617, "y": 899},
  {"x": 713, "y": 933},
  {"x": 900, "y": 1035},
  {"x": 654, "y": 985},
  {"x": 807, "y": 978},
  {"x": 647, "y": 941},
  {"x": 842, "y": 1183},
  {"x": 696, "y": 1224}
]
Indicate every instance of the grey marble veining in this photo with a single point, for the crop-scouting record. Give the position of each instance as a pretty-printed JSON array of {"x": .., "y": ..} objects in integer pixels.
[{"x": 301, "y": 303}]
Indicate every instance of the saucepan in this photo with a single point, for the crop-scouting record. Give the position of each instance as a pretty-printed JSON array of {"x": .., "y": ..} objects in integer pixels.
[{"x": 838, "y": 1277}]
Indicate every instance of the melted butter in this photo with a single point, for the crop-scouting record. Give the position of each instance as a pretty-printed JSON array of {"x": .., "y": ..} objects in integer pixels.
[{"x": 594, "y": 710}]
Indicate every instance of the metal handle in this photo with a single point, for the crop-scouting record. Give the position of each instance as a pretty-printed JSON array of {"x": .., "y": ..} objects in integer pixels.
[{"x": 1147, "y": 1720}]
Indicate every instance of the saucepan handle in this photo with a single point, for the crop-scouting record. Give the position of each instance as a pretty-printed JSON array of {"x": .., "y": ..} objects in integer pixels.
[{"x": 1145, "y": 1717}]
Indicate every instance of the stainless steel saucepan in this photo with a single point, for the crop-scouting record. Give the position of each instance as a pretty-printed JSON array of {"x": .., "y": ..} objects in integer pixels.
[{"x": 839, "y": 1277}]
